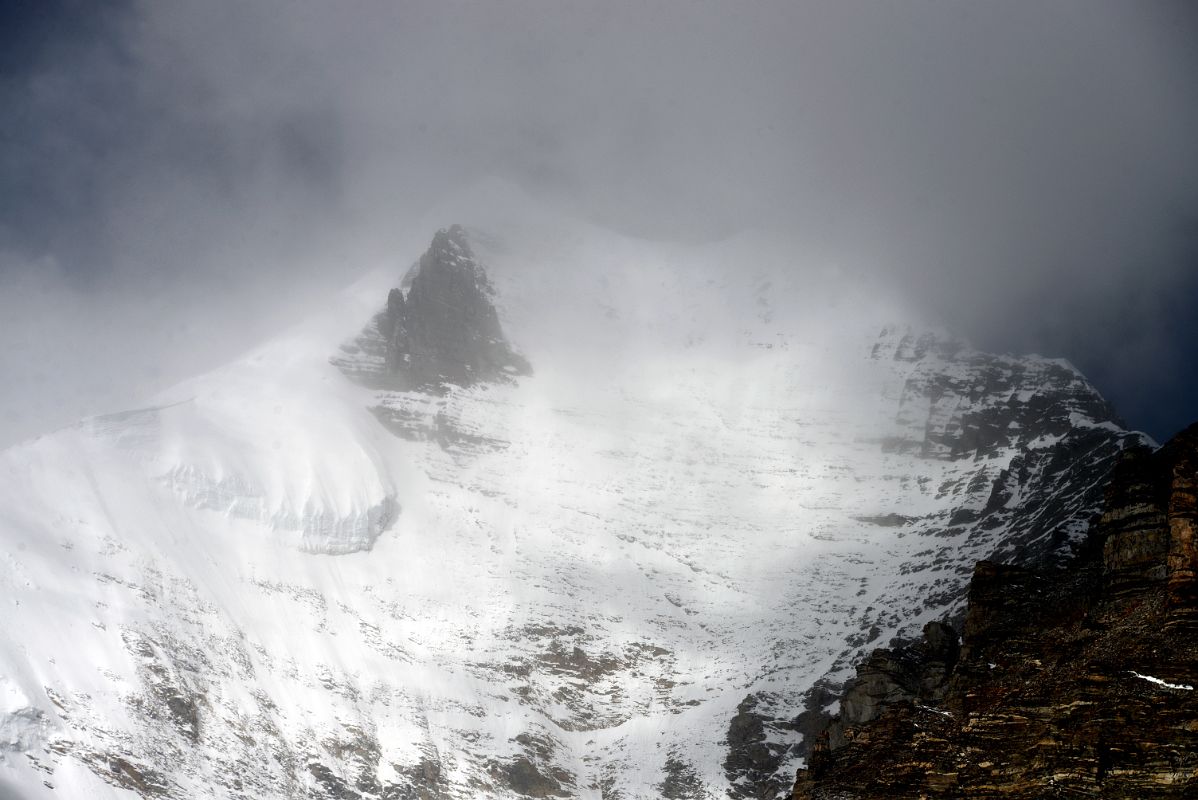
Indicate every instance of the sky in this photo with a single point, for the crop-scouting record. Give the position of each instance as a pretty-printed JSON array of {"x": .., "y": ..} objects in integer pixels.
[{"x": 178, "y": 180}]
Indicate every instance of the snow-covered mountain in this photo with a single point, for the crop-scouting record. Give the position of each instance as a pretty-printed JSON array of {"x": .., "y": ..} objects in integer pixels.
[{"x": 603, "y": 544}]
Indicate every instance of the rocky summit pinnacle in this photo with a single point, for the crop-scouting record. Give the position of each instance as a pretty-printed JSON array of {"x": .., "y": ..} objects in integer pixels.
[{"x": 444, "y": 332}]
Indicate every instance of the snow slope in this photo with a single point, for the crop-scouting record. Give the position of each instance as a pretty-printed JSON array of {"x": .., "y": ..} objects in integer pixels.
[{"x": 724, "y": 478}]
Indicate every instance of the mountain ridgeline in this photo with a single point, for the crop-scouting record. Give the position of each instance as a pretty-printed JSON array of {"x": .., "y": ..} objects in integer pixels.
[
  {"x": 650, "y": 569},
  {"x": 1034, "y": 443}
]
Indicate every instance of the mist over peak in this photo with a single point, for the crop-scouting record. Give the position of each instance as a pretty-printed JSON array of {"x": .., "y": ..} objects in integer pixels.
[{"x": 1025, "y": 175}]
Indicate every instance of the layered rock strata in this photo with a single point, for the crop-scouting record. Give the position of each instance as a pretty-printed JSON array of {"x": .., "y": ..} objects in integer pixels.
[{"x": 1076, "y": 683}]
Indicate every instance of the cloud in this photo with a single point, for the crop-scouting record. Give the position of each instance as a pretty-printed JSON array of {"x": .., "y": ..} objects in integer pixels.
[{"x": 1024, "y": 173}]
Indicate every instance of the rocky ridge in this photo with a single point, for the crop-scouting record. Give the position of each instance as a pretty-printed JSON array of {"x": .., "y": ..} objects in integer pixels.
[
  {"x": 1038, "y": 444},
  {"x": 1072, "y": 682}
]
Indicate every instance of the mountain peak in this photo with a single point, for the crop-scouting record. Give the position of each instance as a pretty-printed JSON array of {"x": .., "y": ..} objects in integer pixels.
[
  {"x": 451, "y": 243},
  {"x": 551, "y": 586},
  {"x": 443, "y": 331}
]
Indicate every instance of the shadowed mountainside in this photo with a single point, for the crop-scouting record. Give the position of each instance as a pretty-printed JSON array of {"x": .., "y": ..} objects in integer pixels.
[{"x": 1079, "y": 682}]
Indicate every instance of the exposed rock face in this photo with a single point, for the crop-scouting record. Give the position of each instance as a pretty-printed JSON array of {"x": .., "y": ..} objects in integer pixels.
[
  {"x": 532, "y": 774},
  {"x": 752, "y": 752},
  {"x": 986, "y": 402},
  {"x": 1035, "y": 443},
  {"x": 1151, "y": 531},
  {"x": 962, "y": 405},
  {"x": 681, "y": 781},
  {"x": 915, "y": 673},
  {"x": 441, "y": 336},
  {"x": 1072, "y": 683},
  {"x": 444, "y": 332}
]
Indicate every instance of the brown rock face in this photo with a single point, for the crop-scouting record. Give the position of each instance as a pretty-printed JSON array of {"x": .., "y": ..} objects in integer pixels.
[
  {"x": 1183, "y": 539},
  {"x": 916, "y": 674},
  {"x": 1078, "y": 683},
  {"x": 1150, "y": 526}
]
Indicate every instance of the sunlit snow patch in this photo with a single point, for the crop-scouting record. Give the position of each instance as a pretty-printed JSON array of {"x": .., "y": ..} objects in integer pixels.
[{"x": 1164, "y": 683}]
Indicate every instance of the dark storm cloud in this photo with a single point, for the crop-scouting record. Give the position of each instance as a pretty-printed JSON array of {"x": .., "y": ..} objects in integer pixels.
[{"x": 1024, "y": 171}]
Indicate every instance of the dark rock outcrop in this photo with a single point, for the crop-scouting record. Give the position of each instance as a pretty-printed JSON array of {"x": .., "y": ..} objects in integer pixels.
[
  {"x": 754, "y": 757},
  {"x": 439, "y": 333},
  {"x": 909, "y": 673},
  {"x": 1074, "y": 683},
  {"x": 532, "y": 774},
  {"x": 443, "y": 332},
  {"x": 1043, "y": 440},
  {"x": 958, "y": 402},
  {"x": 681, "y": 781}
]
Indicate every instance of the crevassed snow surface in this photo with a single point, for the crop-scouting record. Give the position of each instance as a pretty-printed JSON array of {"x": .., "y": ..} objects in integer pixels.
[{"x": 251, "y": 589}]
